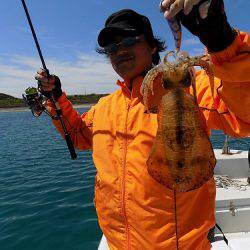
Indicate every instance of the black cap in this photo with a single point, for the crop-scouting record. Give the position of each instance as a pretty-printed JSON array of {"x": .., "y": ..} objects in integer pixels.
[{"x": 124, "y": 22}]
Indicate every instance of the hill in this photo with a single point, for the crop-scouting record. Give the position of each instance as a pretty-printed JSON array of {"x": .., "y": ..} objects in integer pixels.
[
  {"x": 84, "y": 99},
  {"x": 7, "y": 101}
]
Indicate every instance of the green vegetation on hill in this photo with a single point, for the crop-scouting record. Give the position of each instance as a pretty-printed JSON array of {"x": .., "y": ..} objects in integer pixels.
[
  {"x": 82, "y": 99},
  {"x": 7, "y": 101}
]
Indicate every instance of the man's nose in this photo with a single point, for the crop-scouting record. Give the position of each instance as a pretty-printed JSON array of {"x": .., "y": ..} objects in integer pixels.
[{"x": 121, "y": 51}]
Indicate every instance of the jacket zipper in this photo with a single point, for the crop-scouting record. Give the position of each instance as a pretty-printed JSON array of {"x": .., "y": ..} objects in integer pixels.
[
  {"x": 176, "y": 221},
  {"x": 123, "y": 181}
]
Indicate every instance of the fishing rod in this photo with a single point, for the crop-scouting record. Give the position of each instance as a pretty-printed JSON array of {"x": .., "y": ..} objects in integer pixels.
[{"x": 34, "y": 99}]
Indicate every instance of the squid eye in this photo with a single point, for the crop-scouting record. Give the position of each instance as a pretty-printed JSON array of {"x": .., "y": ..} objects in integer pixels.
[
  {"x": 166, "y": 84},
  {"x": 187, "y": 80}
]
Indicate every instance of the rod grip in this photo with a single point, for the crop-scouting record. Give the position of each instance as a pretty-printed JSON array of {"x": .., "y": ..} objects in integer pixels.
[{"x": 70, "y": 146}]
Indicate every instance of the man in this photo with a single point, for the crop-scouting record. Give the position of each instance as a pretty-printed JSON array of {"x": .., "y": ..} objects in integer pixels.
[{"x": 134, "y": 211}]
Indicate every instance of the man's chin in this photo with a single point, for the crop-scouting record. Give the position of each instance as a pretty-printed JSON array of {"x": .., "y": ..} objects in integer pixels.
[{"x": 126, "y": 71}]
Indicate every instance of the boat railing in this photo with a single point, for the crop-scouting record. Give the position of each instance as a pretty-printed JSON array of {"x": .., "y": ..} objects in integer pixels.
[{"x": 226, "y": 147}]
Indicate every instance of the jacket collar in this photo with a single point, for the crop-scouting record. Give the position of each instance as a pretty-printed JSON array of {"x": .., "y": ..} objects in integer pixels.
[{"x": 136, "y": 85}]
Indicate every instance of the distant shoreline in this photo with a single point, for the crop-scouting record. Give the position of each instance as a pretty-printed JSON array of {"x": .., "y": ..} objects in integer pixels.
[
  {"x": 86, "y": 105},
  {"x": 24, "y": 109},
  {"x": 14, "y": 109}
]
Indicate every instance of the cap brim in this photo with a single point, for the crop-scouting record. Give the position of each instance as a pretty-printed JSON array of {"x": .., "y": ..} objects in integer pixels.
[{"x": 107, "y": 34}]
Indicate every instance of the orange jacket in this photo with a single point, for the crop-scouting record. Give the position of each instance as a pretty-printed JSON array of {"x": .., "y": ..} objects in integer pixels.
[{"x": 134, "y": 211}]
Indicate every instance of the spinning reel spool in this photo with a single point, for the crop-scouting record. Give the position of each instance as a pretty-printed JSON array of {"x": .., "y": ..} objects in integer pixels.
[{"x": 34, "y": 100}]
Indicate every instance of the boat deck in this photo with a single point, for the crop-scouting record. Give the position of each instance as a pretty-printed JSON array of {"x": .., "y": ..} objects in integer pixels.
[
  {"x": 233, "y": 202},
  {"x": 236, "y": 241}
]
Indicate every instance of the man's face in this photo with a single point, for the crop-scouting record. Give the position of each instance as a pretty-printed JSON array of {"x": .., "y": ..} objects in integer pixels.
[{"x": 130, "y": 62}]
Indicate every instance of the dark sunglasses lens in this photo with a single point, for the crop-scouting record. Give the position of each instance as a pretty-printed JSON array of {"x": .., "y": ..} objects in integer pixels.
[
  {"x": 111, "y": 48},
  {"x": 128, "y": 41}
]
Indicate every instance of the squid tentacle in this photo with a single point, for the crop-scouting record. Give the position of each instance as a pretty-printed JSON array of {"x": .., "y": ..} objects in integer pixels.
[
  {"x": 175, "y": 27},
  {"x": 165, "y": 59},
  {"x": 198, "y": 61},
  {"x": 148, "y": 83}
]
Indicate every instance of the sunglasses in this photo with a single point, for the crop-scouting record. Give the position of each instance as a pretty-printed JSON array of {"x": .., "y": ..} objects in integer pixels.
[{"x": 125, "y": 43}]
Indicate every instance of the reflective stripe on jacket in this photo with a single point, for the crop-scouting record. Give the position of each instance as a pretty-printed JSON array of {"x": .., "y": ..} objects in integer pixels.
[{"x": 134, "y": 211}]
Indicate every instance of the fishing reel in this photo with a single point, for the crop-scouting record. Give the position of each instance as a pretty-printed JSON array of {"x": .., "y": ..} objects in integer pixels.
[{"x": 35, "y": 101}]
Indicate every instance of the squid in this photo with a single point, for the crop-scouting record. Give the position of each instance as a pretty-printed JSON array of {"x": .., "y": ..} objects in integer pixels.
[{"x": 182, "y": 157}]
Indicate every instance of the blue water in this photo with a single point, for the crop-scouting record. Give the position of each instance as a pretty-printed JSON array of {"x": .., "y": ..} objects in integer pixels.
[{"x": 46, "y": 199}]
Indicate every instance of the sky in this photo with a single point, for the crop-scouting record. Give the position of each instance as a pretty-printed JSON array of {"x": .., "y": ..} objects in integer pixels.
[{"x": 67, "y": 32}]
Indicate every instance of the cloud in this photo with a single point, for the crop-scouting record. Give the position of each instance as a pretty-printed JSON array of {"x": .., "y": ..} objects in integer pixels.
[
  {"x": 191, "y": 41},
  {"x": 197, "y": 51},
  {"x": 86, "y": 74}
]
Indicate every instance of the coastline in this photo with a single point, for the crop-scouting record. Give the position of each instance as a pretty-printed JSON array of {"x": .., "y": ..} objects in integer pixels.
[
  {"x": 25, "y": 109},
  {"x": 85, "y": 105},
  {"x": 14, "y": 109}
]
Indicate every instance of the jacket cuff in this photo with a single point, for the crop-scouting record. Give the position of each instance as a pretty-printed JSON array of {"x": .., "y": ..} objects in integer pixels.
[
  {"x": 60, "y": 101},
  {"x": 218, "y": 58},
  {"x": 62, "y": 98}
]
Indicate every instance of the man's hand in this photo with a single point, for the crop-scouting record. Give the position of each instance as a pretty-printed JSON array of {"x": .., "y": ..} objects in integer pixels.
[
  {"x": 205, "y": 19},
  {"x": 49, "y": 83},
  {"x": 172, "y": 7}
]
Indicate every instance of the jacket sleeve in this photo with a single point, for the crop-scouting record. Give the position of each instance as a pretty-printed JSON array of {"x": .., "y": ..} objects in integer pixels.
[
  {"x": 78, "y": 126},
  {"x": 229, "y": 108}
]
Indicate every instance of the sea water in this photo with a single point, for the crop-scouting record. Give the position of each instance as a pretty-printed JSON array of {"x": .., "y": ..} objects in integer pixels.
[{"x": 46, "y": 199}]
